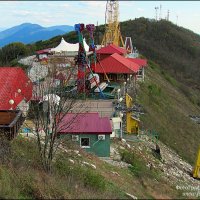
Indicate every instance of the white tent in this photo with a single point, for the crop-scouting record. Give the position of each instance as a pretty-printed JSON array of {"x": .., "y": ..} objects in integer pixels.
[{"x": 68, "y": 47}]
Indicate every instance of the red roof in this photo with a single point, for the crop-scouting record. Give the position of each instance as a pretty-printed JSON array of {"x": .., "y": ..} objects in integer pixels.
[
  {"x": 141, "y": 62},
  {"x": 15, "y": 85},
  {"x": 110, "y": 49},
  {"x": 116, "y": 64},
  {"x": 84, "y": 123},
  {"x": 43, "y": 51}
]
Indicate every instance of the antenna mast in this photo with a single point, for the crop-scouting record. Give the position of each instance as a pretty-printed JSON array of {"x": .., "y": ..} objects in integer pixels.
[
  {"x": 156, "y": 9},
  {"x": 168, "y": 15},
  {"x": 160, "y": 17}
]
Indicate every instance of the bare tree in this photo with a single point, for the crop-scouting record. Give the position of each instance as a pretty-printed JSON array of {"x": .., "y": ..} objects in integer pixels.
[{"x": 54, "y": 99}]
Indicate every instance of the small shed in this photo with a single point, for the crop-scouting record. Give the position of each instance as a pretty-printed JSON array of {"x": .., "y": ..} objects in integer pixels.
[
  {"x": 132, "y": 124},
  {"x": 116, "y": 127},
  {"x": 43, "y": 54},
  {"x": 90, "y": 131}
]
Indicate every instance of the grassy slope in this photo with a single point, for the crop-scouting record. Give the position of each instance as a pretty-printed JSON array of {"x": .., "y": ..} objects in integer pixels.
[
  {"x": 23, "y": 177},
  {"x": 167, "y": 112}
]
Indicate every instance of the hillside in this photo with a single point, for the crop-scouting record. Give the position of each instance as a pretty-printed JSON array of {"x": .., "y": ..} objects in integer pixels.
[
  {"x": 167, "y": 111},
  {"x": 82, "y": 175},
  {"x": 29, "y": 33},
  {"x": 174, "y": 48}
]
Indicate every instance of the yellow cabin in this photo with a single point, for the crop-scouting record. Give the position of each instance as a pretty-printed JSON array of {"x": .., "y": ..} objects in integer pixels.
[
  {"x": 132, "y": 123},
  {"x": 196, "y": 173},
  {"x": 129, "y": 101}
]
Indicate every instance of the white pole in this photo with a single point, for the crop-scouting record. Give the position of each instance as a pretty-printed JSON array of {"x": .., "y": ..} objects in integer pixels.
[
  {"x": 118, "y": 91},
  {"x": 121, "y": 115},
  {"x": 124, "y": 88}
]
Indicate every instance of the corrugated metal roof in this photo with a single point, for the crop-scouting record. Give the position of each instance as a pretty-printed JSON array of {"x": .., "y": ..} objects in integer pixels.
[
  {"x": 110, "y": 49},
  {"x": 141, "y": 62},
  {"x": 43, "y": 51},
  {"x": 116, "y": 64},
  {"x": 85, "y": 123},
  {"x": 15, "y": 85}
]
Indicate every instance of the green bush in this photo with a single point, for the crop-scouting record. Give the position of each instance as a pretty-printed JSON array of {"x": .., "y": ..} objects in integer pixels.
[
  {"x": 138, "y": 166},
  {"x": 94, "y": 180},
  {"x": 83, "y": 174},
  {"x": 62, "y": 167},
  {"x": 154, "y": 90}
]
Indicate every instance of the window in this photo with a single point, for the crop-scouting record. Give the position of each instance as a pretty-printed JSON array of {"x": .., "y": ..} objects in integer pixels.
[
  {"x": 140, "y": 72},
  {"x": 120, "y": 77},
  {"x": 85, "y": 142},
  {"x": 110, "y": 77}
]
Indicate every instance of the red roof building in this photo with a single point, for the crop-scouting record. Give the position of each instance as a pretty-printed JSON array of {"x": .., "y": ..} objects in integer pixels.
[
  {"x": 43, "y": 51},
  {"x": 106, "y": 51},
  {"x": 116, "y": 64},
  {"x": 88, "y": 123},
  {"x": 141, "y": 62},
  {"x": 15, "y": 87},
  {"x": 110, "y": 49},
  {"x": 116, "y": 67},
  {"x": 43, "y": 54},
  {"x": 88, "y": 130}
]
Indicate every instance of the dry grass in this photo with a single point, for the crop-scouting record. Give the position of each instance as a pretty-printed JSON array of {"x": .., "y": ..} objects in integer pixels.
[{"x": 168, "y": 113}]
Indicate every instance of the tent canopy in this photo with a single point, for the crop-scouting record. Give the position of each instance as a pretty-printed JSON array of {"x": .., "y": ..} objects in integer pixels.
[{"x": 69, "y": 47}]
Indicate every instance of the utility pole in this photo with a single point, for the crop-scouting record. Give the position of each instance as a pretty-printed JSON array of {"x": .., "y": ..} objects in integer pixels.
[
  {"x": 176, "y": 20},
  {"x": 156, "y": 9},
  {"x": 168, "y": 15},
  {"x": 97, "y": 31},
  {"x": 160, "y": 17}
]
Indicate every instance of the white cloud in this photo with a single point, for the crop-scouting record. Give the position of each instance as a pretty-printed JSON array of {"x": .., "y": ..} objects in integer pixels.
[
  {"x": 95, "y": 4},
  {"x": 140, "y": 9},
  {"x": 22, "y": 12},
  {"x": 65, "y": 5}
]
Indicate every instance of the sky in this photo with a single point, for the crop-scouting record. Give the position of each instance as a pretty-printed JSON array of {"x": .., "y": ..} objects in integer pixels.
[{"x": 50, "y": 13}]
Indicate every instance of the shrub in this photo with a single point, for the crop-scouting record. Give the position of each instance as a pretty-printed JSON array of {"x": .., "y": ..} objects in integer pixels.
[
  {"x": 154, "y": 90},
  {"x": 94, "y": 180},
  {"x": 81, "y": 174},
  {"x": 138, "y": 166}
]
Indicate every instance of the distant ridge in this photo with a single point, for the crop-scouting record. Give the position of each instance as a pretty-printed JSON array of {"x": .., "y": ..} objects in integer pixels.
[{"x": 29, "y": 33}]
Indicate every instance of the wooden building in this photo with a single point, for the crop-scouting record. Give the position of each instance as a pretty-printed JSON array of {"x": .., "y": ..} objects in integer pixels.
[{"x": 10, "y": 123}]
